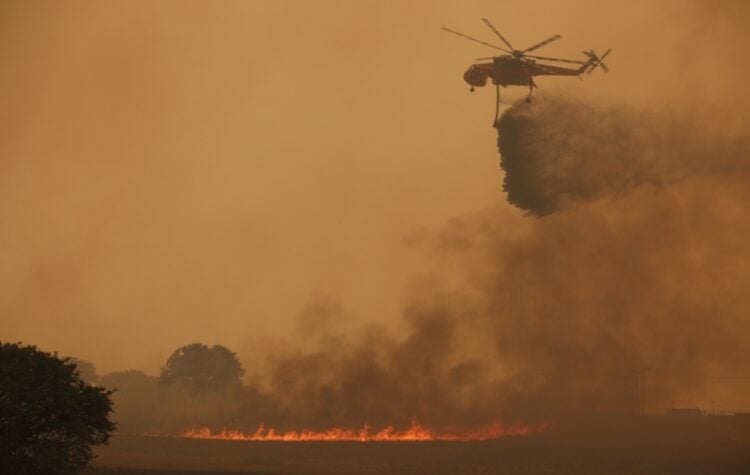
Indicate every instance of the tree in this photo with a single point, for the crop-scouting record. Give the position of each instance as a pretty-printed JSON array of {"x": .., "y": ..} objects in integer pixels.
[
  {"x": 201, "y": 369},
  {"x": 49, "y": 417}
]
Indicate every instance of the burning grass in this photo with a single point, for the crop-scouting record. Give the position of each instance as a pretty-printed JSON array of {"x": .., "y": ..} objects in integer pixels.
[{"x": 415, "y": 432}]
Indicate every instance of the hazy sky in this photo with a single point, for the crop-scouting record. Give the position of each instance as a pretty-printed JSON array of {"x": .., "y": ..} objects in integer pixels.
[{"x": 182, "y": 171}]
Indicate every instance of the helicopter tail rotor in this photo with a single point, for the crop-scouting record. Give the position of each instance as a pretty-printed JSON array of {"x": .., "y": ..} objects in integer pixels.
[{"x": 595, "y": 60}]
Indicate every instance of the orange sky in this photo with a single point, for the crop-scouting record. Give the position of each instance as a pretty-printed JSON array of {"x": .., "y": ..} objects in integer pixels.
[{"x": 195, "y": 171}]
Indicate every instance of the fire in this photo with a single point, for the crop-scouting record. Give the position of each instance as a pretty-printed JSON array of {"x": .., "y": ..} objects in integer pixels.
[{"x": 415, "y": 432}]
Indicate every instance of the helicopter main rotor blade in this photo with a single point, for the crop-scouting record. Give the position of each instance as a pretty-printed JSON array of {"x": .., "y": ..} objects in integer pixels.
[
  {"x": 605, "y": 54},
  {"x": 539, "y": 45},
  {"x": 486, "y": 21},
  {"x": 474, "y": 39},
  {"x": 544, "y": 58}
]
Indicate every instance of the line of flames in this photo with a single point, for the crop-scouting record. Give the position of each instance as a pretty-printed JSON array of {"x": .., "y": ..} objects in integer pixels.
[{"x": 415, "y": 432}]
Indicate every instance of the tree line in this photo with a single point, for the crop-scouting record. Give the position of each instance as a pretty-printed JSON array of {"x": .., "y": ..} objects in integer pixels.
[{"x": 53, "y": 410}]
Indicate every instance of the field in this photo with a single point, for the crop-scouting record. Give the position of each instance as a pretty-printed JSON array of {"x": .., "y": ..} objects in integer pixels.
[{"x": 645, "y": 446}]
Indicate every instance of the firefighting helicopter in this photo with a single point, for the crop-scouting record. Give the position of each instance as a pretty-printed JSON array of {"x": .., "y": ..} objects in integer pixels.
[{"x": 517, "y": 68}]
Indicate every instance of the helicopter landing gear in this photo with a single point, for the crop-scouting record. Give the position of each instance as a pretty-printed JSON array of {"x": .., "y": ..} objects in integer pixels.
[{"x": 471, "y": 89}]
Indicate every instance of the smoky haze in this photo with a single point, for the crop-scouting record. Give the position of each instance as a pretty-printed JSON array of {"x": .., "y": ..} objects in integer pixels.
[
  {"x": 560, "y": 315},
  {"x": 636, "y": 274},
  {"x": 631, "y": 279},
  {"x": 183, "y": 171}
]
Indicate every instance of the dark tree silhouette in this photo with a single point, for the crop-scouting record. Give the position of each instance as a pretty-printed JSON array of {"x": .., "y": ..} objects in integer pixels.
[
  {"x": 201, "y": 369},
  {"x": 49, "y": 416}
]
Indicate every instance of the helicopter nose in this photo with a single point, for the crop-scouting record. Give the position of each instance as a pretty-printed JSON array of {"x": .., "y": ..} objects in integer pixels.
[{"x": 475, "y": 77}]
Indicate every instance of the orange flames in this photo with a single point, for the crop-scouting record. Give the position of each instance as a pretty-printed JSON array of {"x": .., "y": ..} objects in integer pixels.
[{"x": 415, "y": 432}]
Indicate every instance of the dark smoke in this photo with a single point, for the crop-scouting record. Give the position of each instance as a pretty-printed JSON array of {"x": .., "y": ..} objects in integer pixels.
[
  {"x": 376, "y": 378},
  {"x": 556, "y": 151},
  {"x": 640, "y": 275},
  {"x": 584, "y": 301},
  {"x": 639, "y": 272}
]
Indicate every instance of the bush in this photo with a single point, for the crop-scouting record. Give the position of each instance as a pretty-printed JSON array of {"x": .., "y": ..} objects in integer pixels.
[{"x": 49, "y": 416}]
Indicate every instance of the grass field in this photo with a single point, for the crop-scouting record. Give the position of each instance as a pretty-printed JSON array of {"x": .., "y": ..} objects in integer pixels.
[{"x": 646, "y": 447}]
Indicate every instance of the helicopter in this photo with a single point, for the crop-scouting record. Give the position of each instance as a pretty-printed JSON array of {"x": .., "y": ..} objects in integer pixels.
[{"x": 518, "y": 68}]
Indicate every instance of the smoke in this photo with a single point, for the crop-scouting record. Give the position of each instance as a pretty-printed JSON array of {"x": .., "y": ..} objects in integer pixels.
[
  {"x": 558, "y": 151},
  {"x": 634, "y": 284},
  {"x": 371, "y": 376},
  {"x": 153, "y": 195},
  {"x": 584, "y": 300},
  {"x": 638, "y": 274}
]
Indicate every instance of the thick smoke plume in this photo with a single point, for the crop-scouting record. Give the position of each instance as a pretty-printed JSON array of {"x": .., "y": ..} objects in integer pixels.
[
  {"x": 557, "y": 151},
  {"x": 376, "y": 378},
  {"x": 636, "y": 286}
]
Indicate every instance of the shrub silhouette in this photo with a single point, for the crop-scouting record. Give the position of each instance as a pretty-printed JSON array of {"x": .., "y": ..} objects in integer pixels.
[{"x": 49, "y": 416}]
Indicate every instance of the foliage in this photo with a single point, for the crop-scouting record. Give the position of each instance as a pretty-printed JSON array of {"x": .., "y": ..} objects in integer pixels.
[
  {"x": 202, "y": 370},
  {"x": 49, "y": 416}
]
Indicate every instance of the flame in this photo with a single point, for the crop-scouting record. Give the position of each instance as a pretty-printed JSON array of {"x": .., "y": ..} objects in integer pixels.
[{"x": 415, "y": 432}]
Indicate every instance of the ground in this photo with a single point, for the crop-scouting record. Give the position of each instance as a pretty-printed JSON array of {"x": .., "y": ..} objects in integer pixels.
[{"x": 646, "y": 446}]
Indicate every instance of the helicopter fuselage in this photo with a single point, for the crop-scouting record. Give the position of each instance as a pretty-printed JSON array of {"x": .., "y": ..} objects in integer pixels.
[
  {"x": 478, "y": 74},
  {"x": 509, "y": 71}
]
